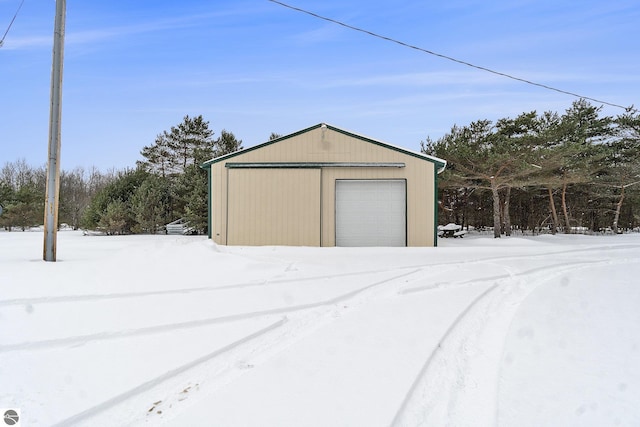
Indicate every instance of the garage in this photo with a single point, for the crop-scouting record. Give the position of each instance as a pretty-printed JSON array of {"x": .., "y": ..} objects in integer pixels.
[
  {"x": 371, "y": 212},
  {"x": 324, "y": 186}
]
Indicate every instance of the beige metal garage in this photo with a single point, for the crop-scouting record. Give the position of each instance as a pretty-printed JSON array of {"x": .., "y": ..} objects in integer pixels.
[{"x": 324, "y": 186}]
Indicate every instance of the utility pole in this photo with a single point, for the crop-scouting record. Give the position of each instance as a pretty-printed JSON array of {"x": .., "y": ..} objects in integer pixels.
[{"x": 53, "y": 166}]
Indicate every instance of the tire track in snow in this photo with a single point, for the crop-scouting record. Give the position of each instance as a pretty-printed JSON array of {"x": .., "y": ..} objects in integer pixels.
[
  {"x": 268, "y": 340},
  {"x": 90, "y": 412},
  {"x": 458, "y": 337},
  {"x": 512, "y": 275},
  {"x": 82, "y": 339},
  {"x": 419, "y": 378},
  {"x": 214, "y": 288}
]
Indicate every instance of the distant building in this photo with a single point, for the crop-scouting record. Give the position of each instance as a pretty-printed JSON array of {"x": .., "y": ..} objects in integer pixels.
[{"x": 324, "y": 186}]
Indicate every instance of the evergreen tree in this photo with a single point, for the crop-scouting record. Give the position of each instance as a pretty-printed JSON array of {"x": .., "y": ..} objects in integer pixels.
[
  {"x": 274, "y": 135},
  {"x": 621, "y": 169},
  {"x": 192, "y": 186},
  {"x": 158, "y": 156},
  {"x": 194, "y": 193},
  {"x": 22, "y": 192},
  {"x": 6, "y": 197},
  {"x": 181, "y": 191},
  {"x": 190, "y": 142},
  {"x": 116, "y": 218},
  {"x": 225, "y": 144},
  {"x": 112, "y": 205},
  {"x": 150, "y": 204},
  {"x": 489, "y": 157},
  {"x": 523, "y": 161},
  {"x": 581, "y": 130},
  {"x": 25, "y": 210}
]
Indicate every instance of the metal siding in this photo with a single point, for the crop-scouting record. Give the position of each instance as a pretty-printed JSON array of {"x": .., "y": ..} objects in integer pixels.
[
  {"x": 209, "y": 199},
  {"x": 274, "y": 207},
  {"x": 421, "y": 206},
  {"x": 218, "y": 205}
]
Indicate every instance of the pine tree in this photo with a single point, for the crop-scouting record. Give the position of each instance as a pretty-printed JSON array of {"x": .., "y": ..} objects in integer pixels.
[
  {"x": 190, "y": 142},
  {"x": 116, "y": 218},
  {"x": 621, "y": 171},
  {"x": 193, "y": 188},
  {"x": 150, "y": 204},
  {"x": 226, "y": 144},
  {"x": 490, "y": 157},
  {"x": 112, "y": 204}
]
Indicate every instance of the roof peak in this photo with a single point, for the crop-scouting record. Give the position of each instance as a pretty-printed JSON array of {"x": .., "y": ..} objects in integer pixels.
[{"x": 440, "y": 163}]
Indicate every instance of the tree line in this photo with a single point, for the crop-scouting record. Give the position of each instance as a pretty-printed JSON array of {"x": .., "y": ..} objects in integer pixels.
[
  {"x": 542, "y": 172},
  {"x": 22, "y": 193},
  {"x": 549, "y": 171},
  {"x": 167, "y": 184}
]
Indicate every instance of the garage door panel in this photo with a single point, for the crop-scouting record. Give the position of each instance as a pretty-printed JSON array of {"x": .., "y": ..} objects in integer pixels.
[
  {"x": 274, "y": 207},
  {"x": 371, "y": 213}
]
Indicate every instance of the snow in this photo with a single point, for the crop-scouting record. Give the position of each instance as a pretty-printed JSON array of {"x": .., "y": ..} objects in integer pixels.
[
  {"x": 450, "y": 227},
  {"x": 174, "y": 330}
]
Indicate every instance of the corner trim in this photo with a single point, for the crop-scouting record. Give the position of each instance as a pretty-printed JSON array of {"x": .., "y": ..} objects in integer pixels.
[
  {"x": 209, "y": 204},
  {"x": 435, "y": 207}
]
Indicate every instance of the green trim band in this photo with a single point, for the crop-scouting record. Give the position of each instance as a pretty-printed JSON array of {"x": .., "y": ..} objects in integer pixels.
[
  {"x": 311, "y": 165},
  {"x": 435, "y": 207},
  {"x": 209, "y": 206}
]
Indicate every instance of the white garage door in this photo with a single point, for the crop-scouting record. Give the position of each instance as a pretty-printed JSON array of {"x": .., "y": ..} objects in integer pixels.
[{"x": 371, "y": 213}]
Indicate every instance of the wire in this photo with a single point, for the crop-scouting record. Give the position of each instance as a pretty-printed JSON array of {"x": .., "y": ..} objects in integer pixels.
[
  {"x": 351, "y": 27},
  {"x": 11, "y": 23}
]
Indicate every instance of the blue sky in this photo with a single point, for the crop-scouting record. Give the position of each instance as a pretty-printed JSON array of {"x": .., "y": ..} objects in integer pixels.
[{"x": 135, "y": 68}]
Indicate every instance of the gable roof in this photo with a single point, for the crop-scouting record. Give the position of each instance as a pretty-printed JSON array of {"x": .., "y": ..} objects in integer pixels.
[{"x": 440, "y": 163}]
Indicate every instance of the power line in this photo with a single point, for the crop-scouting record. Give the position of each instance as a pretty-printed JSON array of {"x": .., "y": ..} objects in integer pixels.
[
  {"x": 11, "y": 23},
  {"x": 351, "y": 27}
]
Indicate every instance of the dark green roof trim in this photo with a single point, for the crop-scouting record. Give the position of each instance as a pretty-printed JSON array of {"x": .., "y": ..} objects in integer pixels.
[
  {"x": 208, "y": 163},
  {"x": 209, "y": 206},
  {"x": 311, "y": 165},
  {"x": 439, "y": 163},
  {"x": 435, "y": 208}
]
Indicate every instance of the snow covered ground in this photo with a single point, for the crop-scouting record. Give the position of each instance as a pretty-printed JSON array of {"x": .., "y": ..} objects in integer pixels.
[{"x": 166, "y": 330}]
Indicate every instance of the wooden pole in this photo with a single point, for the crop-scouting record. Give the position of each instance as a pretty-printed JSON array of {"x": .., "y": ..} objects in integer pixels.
[{"x": 53, "y": 166}]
